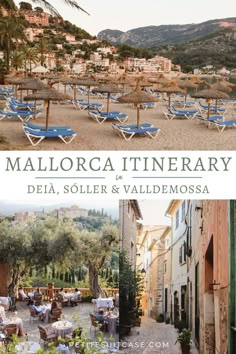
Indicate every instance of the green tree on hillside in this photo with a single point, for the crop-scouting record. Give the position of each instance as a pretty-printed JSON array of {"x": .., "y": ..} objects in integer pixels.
[{"x": 11, "y": 32}]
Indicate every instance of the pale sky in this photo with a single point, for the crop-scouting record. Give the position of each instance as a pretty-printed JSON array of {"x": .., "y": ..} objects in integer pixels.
[
  {"x": 153, "y": 212},
  {"x": 128, "y": 14}
]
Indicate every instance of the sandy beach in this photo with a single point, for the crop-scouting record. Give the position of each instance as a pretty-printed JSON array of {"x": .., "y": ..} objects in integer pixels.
[{"x": 176, "y": 134}]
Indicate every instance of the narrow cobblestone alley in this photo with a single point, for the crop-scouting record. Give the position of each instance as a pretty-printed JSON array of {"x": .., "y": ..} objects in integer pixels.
[{"x": 153, "y": 337}]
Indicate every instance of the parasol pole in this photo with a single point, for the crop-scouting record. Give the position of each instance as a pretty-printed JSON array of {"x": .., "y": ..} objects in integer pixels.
[
  {"x": 138, "y": 115},
  {"x": 47, "y": 114},
  {"x": 34, "y": 106},
  {"x": 108, "y": 101},
  {"x": 216, "y": 105},
  {"x": 168, "y": 99},
  {"x": 208, "y": 111},
  {"x": 88, "y": 93},
  {"x": 74, "y": 92}
]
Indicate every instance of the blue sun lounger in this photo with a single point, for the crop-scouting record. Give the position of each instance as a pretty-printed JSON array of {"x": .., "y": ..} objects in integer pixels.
[
  {"x": 23, "y": 116},
  {"x": 128, "y": 134},
  {"x": 13, "y": 108},
  {"x": 132, "y": 126},
  {"x": 18, "y": 103},
  {"x": 43, "y": 127},
  {"x": 189, "y": 111},
  {"x": 35, "y": 137},
  {"x": 85, "y": 105},
  {"x": 171, "y": 114},
  {"x": 224, "y": 124},
  {"x": 213, "y": 109},
  {"x": 101, "y": 117},
  {"x": 148, "y": 105}
]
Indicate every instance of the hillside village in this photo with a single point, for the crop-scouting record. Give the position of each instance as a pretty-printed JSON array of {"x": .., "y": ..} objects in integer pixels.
[{"x": 64, "y": 47}]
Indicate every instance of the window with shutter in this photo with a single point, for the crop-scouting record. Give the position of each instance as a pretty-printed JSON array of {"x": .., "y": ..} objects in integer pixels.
[{"x": 180, "y": 255}]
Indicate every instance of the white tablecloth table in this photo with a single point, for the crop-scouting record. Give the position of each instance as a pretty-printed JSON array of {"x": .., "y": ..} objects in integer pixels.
[
  {"x": 62, "y": 328},
  {"x": 104, "y": 302},
  {"x": 5, "y": 302},
  {"x": 2, "y": 314},
  {"x": 27, "y": 347},
  {"x": 15, "y": 320},
  {"x": 111, "y": 320}
]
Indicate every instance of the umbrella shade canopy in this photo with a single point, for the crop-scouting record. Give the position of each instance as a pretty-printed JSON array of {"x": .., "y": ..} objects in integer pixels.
[
  {"x": 208, "y": 94},
  {"x": 187, "y": 84},
  {"x": 88, "y": 83},
  {"x": 161, "y": 79},
  {"x": 40, "y": 69},
  {"x": 221, "y": 87},
  {"x": 107, "y": 88},
  {"x": 18, "y": 80},
  {"x": 226, "y": 83},
  {"x": 33, "y": 85},
  {"x": 137, "y": 96},
  {"x": 169, "y": 88},
  {"x": 196, "y": 80},
  {"x": 47, "y": 94}
]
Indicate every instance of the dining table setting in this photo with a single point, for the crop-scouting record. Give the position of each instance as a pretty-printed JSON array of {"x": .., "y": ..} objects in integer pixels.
[{"x": 62, "y": 328}]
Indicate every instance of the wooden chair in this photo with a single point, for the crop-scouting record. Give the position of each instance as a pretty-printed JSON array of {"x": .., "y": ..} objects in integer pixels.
[
  {"x": 34, "y": 315},
  {"x": 62, "y": 300},
  {"x": 95, "y": 323},
  {"x": 55, "y": 315},
  {"x": 47, "y": 334},
  {"x": 9, "y": 331}
]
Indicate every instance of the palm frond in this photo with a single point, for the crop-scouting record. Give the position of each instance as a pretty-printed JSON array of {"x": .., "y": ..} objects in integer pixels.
[
  {"x": 73, "y": 3},
  {"x": 54, "y": 11}
]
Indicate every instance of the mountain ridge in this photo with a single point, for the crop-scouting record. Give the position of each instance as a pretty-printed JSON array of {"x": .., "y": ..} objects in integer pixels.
[{"x": 154, "y": 36}]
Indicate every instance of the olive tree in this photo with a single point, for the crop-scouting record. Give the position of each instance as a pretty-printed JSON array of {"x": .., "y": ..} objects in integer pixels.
[
  {"x": 37, "y": 244},
  {"x": 94, "y": 249}
]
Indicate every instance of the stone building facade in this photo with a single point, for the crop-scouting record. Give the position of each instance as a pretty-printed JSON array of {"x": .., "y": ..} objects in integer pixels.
[
  {"x": 214, "y": 285},
  {"x": 177, "y": 212},
  {"x": 194, "y": 217},
  {"x": 129, "y": 215},
  {"x": 151, "y": 258}
]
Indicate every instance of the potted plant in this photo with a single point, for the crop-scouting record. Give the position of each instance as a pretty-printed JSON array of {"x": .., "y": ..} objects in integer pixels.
[{"x": 184, "y": 338}]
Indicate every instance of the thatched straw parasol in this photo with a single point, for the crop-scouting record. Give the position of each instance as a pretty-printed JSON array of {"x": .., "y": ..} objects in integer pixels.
[
  {"x": 47, "y": 94},
  {"x": 137, "y": 97},
  {"x": 226, "y": 83},
  {"x": 208, "y": 94},
  {"x": 196, "y": 80},
  {"x": 88, "y": 83},
  {"x": 187, "y": 84},
  {"x": 18, "y": 81},
  {"x": 169, "y": 88},
  {"x": 33, "y": 85},
  {"x": 221, "y": 87},
  {"x": 107, "y": 88},
  {"x": 74, "y": 83}
]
